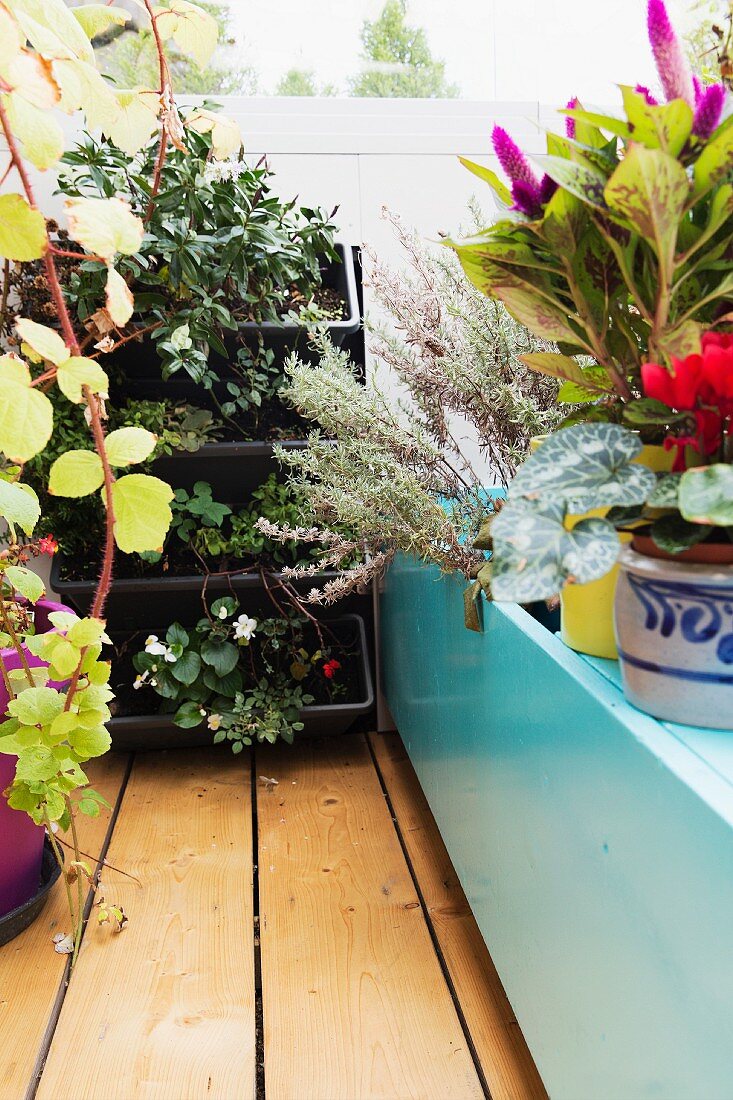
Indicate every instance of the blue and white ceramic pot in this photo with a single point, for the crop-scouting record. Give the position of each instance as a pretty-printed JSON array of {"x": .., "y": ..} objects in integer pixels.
[{"x": 674, "y": 630}]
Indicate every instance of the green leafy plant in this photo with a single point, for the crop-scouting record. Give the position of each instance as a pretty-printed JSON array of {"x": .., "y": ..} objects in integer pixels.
[
  {"x": 56, "y": 714},
  {"x": 220, "y": 248},
  {"x": 621, "y": 252},
  {"x": 246, "y": 679}
]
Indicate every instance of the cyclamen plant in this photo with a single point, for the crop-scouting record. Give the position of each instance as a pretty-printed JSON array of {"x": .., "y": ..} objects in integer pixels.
[
  {"x": 57, "y": 714},
  {"x": 536, "y": 551},
  {"x": 621, "y": 252}
]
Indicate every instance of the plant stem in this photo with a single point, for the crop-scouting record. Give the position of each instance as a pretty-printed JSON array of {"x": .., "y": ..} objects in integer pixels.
[{"x": 17, "y": 644}]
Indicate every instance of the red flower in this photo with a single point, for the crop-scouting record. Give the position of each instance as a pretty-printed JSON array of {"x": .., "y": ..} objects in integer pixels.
[
  {"x": 717, "y": 370},
  {"x": 48, "y": 545},
  {"x": 330, "y": 668},
  {"x": 706, "y": 440},
  {"x": 678, "y": 388}
]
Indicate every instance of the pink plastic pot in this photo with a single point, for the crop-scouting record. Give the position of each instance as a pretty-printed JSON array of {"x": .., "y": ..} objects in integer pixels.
[{"x": 21, "y": 842}]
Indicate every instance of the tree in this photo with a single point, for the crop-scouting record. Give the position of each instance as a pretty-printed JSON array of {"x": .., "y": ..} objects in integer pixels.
[
  {"x": 131, "y": 59},
  {"x": 398, "y": 61},
  {"x": 302, "y": 82}
]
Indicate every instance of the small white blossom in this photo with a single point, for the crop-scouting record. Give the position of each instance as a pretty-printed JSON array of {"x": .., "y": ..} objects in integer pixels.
[
  {"x": 223, "y": 612},
  {"x": 245, "y": 627},
  {"x": 169, "y": 655},
  {"x": 213, "y": 721}
]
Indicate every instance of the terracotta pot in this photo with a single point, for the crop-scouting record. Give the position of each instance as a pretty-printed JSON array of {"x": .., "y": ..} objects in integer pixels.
[
  {"x": 674, "y": 630},
  {"x": 705, "y": 553},
  {"x": 21, "y": 841}
]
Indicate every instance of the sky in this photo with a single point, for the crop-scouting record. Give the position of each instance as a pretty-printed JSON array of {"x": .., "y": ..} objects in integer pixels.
[{"x": 543, "y": 50}]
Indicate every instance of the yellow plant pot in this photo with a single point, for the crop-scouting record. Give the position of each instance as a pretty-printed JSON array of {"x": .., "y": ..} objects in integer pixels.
[{"x": 586, "y": 610}]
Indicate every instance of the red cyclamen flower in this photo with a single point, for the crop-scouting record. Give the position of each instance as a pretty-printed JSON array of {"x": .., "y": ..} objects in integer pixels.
[
  {"x": 48, "y": 545},
  {"x": 672, "y": 67}
]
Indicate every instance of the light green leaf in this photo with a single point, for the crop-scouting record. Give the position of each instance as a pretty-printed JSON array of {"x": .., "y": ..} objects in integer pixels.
[
  {"x": 88, "y": 743},
  {"x": 555, "y": 365},
  {"x": 540, "y": 316},
  {"x": 715, "y": 162},
  {"x": 104, "y": 226},
  {"x": 38, "y": 706},
  {"x": 649, "y": 190},
  {"x": 76, "y": 474},
  {"x": 25, "y": 582},
  {"x": 142, "y": 512},
  {"x": 18, "y": 506},
  {"x": 26, "y": 419},
  {"x": 64, "y": 658},
  {"x": 79, "y": 371},
  {"x": 128, "y": 445},
  {"x": 706, "y": 495},
  {"x": 95, "y": 19},
  {"x": 583, "y": 181},
  {"x": 22, "y": 230},
  {"x": 39, "y": 131},
  {"x": 499, "y": 188},
  {"x": 666, "y": 126},
  {"x": 85, "y": 632},
  {"x": 44, "y": 341}
]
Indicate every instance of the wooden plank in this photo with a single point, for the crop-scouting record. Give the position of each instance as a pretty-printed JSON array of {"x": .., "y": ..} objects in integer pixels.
[
  {"x": 500, "y": 1047},
  {"x": 355, "y": 1003},
  {"x": 30, "y": 970},
  {"x": 166, "y": 1009}
]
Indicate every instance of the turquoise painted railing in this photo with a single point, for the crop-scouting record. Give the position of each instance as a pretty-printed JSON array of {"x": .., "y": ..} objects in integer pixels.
[{"x": 595, "y": 844}]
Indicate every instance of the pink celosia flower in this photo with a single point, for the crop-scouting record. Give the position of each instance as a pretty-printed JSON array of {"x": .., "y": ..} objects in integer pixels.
[
  {"x": 512, "y": 159},
  {"x": 571, "y": 105},
  {"x": 674, "y": 72},
  {"x": 640, "y": 89},
  {"x": 709, "y": 110}
]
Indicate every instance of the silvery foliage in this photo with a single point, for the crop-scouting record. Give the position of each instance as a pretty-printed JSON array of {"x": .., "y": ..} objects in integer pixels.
[{"x": 535, "y": 550}]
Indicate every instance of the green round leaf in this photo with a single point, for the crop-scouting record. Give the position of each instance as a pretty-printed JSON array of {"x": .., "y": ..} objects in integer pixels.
[
  {"x": 76, "y": 474},
  {"x": 706, "y": 495},
  {"x": 129, "y": 445},
  {"x": 142, "y": 512}
]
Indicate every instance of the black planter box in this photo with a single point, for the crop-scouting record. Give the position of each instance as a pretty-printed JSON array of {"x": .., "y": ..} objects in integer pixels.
[
  {"x": 233, "y": 470},
  {"x": 143, "y": 603},
  {"x": 139, "y": 361},
  {"x": 158, "y": 731}
]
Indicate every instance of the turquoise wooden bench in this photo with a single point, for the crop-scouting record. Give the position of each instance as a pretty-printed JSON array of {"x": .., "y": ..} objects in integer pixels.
[{"x": 594, "y": 843}]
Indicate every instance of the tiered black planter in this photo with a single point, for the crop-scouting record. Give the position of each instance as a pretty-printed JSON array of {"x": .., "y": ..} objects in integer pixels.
[
  {"x": 234, "y": 470},
  {"x": 158, "y": 731}
]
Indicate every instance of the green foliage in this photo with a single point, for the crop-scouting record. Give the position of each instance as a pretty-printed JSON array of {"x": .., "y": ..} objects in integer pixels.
[
  {"x": 628, "y": 261},
  {"x": 302, "y": 82},
  {"x": 78, "y": 523},
  {"x": 398, "y": 61},
  {"x": 219, "y": 249},
  {"x": 53, "y": 733},
  {"x": 247, "y": 680}
]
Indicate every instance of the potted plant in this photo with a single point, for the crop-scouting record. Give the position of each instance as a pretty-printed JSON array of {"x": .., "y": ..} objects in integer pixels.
[
  {"x": 673, "y": 600},
  {"x": 56, "y": 706},
  {"x": 618, "y": 252},
  {"x": 240, "y": 680}
]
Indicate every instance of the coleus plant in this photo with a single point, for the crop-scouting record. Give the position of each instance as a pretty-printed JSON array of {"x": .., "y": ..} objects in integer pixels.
[
  {"x": 621, "y": 252},
  {"x": 56, "y": 715},
  {"x": 541, "y": 538}
]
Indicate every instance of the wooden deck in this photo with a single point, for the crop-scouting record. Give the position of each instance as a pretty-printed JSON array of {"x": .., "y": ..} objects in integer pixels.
[{"x": 300, "y": 940}]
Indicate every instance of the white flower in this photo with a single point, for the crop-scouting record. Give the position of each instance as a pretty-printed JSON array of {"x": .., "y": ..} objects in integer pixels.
[
  {"x": 213, "y": 721},
  {"x": 245, "y": 627},
  {"x": 223, "y": 613},
  {"x": 169, "y": 655},
  {"x": 180, "y": 338},
  {"x": 202, "y": 712},
  {"x": 154, "y": 647},
  {"x": 139, "y": 681}
]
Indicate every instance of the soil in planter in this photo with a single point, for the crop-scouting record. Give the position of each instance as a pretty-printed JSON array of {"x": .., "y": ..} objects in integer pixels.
[{"x": 342, "y": 642}]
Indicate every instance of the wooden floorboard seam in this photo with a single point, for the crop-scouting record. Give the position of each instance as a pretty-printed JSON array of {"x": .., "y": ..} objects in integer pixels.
[
  {"x": 260, "y": 1068},
  {"x": 53, "y": 1019},
  {"x": 430, "y": 926}
]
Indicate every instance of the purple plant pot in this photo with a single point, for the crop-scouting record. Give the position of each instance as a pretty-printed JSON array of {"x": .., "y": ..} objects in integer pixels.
[{"x": 21, "y": 841}]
